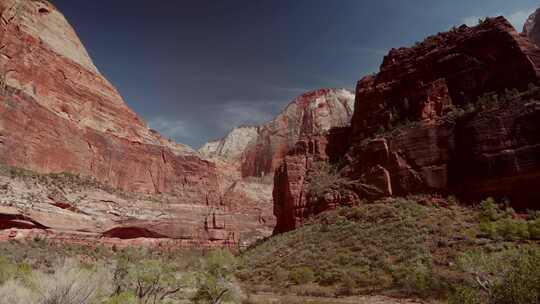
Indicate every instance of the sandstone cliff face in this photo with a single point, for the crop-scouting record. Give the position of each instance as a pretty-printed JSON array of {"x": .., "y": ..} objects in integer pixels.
[
  {"x": 58, "y": 113},
  {"x": 247, "y": 156},
  {"x": 531, "y": 28},
  {"x": 420, "y": 127},
  {"x": 231, "y": 146},
  {"x": 261, "y": 149},
  {"x": 489, "y": 151}
]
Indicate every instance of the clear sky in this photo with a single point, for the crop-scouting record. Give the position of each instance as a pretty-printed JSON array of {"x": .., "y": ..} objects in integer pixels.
[{"x": 193, "y": 69}]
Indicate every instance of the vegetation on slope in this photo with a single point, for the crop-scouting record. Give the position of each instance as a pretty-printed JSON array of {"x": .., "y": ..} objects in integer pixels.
[{"x": 415, "y": 246}]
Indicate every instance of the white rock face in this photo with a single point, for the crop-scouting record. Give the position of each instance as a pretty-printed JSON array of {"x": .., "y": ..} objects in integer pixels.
[
  {"x": 51, "y": 27},
  {"x": 532, "y": 27},
  {"x": 231, "y": 146},
  {"x": 311, "y": 113}
]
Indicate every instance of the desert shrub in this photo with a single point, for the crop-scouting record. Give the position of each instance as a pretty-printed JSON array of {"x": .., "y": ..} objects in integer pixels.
[
  {"x": 465, "y": 294},
  {"x": 215, "y": 283},
  {"x": 280, "y": 275},
  {"x": 72, "y": 285},
  {"x": 312, "y": 290},
  {"x": 497, "y": 222},
  {"x": 534, "y": 229},
  {"x": 416, "y": 277},
  {"x": 149, "y": 280},
  {"x": 15, "y": 271},
  {"x": 301, "y": 275},
  {"x": 521, "y": 283},
  {"x": 322, "y": 177},
  {"x": 7, "y": 270},
  {"x": 14, "y": 292},
  {"x": 506, "y": 277},
  {"x": 122, "y": 298}
]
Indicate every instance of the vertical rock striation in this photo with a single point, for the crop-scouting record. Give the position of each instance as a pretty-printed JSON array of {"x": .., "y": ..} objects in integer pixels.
[
  {"x": 261, "y": 149},
  {"x": 59, "y": 114},
  {"x": 424, "y": 124}
]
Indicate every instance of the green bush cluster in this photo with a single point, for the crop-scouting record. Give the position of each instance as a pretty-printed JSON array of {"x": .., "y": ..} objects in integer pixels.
[
  {"x": 511, "y": 276},
  {"x": 498, "y": 221},
  {"x": 322, "y": 178},
  {"x": 130, "y": 276}
]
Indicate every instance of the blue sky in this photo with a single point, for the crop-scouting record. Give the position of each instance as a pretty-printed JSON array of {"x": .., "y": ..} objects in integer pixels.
[{"x": 193, "y": 69}]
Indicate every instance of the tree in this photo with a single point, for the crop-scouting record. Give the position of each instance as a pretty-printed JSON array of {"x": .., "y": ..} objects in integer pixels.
[
  {"x": 214, "y": 283},
  {"x": 151, "y": 281}
]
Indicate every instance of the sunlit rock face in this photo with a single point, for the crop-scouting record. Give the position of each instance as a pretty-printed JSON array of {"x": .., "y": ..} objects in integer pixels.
[
  {"x": 233, "y": 145},
  {"x": 59, "y": 114},
  {"x": 407, "y": 135},
  {"x": 532, "y": 27},
  {"x": 259, "y": 150},
  {"x": 248, "y": 155}
]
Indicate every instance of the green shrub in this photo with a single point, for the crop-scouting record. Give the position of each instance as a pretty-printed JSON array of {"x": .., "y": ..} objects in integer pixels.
[
  {"x": 301, "y": 275},
  {"x": 123, "y": 298},
  {"x": 147, "y": 279},
  {"x": 490, "y": 210},
  {"x": 464, "y": 294},
  {"x": 509, "y": 276},
  {"x": 521, "y": 284},
  {"x": 322, "y": 178},
  {"x": 214, "y": 282}
]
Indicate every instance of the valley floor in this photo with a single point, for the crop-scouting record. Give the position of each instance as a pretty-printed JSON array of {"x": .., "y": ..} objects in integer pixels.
[
  {"x": 275, "y": 299},
  {"x": 414, "y": 250}
]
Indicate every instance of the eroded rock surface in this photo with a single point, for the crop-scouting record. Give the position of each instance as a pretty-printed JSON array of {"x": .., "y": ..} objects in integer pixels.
[
  {"x": 532, "y": 27},
  {"x": 59, "y": 114},
  {"x": 465, "y": 143},
  {"x": 68, "y": 208},
  {"x": 247, "y": 156},
  {"x": 259, "y": 150},
  {"x": 423, "y": 124}
]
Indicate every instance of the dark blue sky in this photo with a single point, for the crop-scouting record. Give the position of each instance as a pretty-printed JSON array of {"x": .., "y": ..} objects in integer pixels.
[{"x": 196, "y": 68}]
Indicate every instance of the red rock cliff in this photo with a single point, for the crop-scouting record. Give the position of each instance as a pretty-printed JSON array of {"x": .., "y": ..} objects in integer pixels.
[
  {"x": 419, "y": 125},
  {"x": 58, "y": 113},
  {"x": 261, "y": 149},
  {"x": 489, "y": 151}
]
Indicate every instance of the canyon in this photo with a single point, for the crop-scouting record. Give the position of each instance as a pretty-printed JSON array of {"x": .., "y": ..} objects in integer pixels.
[
  {"x": 455, "y": 114},
  {"x": 61, "y": 119},
  {"x": 58, "y": 114}
]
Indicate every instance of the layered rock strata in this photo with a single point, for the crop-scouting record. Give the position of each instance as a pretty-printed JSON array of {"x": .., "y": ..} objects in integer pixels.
[{"x": 456, "y": 114}]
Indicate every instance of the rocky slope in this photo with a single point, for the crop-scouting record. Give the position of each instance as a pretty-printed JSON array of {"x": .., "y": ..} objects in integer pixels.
[
  {"x": 260, "y": 149},
  {"x": 532, "y": 27},
  {"x": 424, "y": 124},
  {"x": 78, "y": 210},
  {"x": 59, "y": 114}
]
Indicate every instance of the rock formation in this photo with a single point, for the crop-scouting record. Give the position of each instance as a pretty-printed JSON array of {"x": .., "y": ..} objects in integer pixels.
[
  {"x": 531, "y": 28},
  {"x": 59, "y": 114},
  {"x": 423, "y": 124},
  {"x": 261, "y": 149},
  {"x": 253, "y": 152}
]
